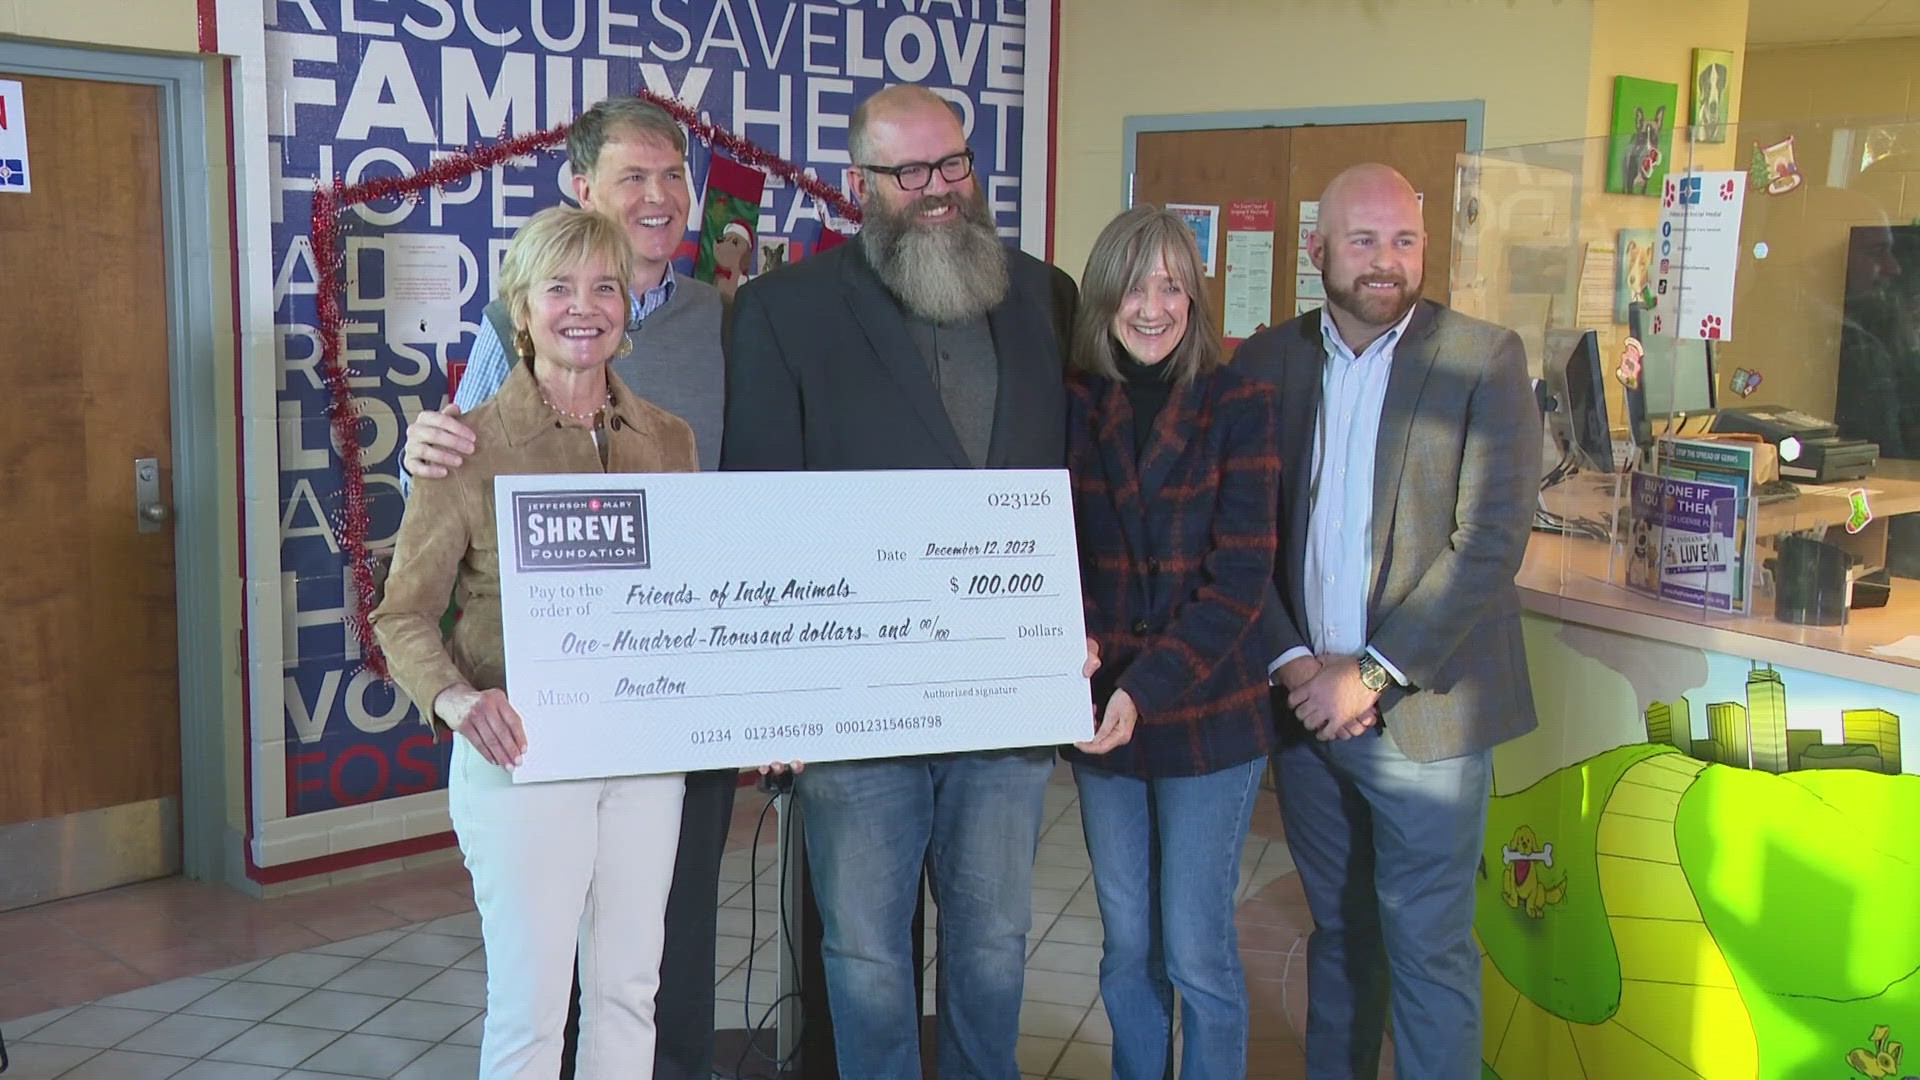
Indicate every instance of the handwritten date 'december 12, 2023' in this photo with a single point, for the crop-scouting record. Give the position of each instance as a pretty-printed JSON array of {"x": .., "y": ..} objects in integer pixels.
[{"x": 665, "y": 623}]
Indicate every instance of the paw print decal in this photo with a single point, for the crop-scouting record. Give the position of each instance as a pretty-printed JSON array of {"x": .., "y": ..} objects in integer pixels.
[
  {"x": 1726, "y": 190},
  {"x": 1710, "y": 328},
  {"x": 1659, "y": 323}
]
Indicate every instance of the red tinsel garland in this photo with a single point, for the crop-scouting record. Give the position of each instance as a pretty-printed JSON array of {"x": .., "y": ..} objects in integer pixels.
[{"x": 330, "y": 201}]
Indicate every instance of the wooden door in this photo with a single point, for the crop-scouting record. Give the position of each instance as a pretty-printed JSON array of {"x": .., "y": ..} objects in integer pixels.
[
  {"x": 89, "y": 796},
  {"x": 1288, "y": 166},
  {"x": 1426, "y": 154}
]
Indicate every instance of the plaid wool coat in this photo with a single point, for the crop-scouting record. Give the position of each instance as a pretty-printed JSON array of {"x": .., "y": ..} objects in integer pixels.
[{"x": 1176, "y": 565}]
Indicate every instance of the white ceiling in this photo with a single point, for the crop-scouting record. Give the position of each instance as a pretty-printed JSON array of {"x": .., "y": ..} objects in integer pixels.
[{"x": 1773, "y": 23}]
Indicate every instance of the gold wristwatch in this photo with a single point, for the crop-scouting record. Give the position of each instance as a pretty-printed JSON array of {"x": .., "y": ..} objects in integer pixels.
[{"x": 1373, "y": 674}]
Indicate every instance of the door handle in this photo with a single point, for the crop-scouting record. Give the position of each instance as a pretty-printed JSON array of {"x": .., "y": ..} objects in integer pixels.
[{"x": 149, "y": 513}]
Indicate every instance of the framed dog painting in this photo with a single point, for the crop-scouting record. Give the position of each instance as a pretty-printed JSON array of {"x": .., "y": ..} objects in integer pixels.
[
  {"x": 1633, "y": 276},
  {"x": 1708, "y": 117},
  {"x": 1641, "y": 147}
]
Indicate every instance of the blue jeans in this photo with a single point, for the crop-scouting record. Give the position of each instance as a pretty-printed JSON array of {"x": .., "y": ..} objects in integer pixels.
[
  {"x": 1166, "y": 863},
  {"x": 1387, "y": 849},
  {"x": 974, "y": 821}
]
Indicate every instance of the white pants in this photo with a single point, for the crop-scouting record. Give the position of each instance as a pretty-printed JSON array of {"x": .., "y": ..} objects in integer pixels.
[{"x": 586, "y": 861}]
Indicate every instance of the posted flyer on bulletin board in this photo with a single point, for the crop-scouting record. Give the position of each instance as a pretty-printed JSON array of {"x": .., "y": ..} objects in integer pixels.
[
  {"x": 1690, "y": 540},
  {"x": 1249, "y": 291}
]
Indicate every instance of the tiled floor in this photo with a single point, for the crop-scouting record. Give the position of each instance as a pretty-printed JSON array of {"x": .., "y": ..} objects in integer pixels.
[{"x": 386, "y": 978}]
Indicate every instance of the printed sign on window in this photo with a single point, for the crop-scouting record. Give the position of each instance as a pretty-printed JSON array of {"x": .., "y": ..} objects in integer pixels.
[{"x": 15, "y": 177}]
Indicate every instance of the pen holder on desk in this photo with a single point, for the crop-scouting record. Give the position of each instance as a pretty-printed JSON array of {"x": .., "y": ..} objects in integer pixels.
[{"x": 1810, "y": 582}]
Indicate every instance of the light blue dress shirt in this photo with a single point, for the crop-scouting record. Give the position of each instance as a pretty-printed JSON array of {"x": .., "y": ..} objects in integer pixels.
[
  {"x": 1338, "y": 573},
  {"x": 488, "y": 365}
]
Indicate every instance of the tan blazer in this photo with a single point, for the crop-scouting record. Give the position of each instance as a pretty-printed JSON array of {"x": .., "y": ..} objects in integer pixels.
[{"x": 448, "y": 532}]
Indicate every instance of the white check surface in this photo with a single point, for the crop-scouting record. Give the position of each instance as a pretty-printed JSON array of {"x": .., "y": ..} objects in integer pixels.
[{"x": 788, "y": 617}]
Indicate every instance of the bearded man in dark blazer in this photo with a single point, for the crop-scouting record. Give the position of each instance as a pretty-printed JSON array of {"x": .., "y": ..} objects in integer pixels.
[{"x": 924, "y": 344}]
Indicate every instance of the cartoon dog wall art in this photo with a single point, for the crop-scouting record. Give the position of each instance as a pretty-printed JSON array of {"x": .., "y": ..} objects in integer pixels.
[
  {"x": 1524, "y": 884},
  {"x": 1640, "y": 150},
  {"x": 1710, "y": 75}
]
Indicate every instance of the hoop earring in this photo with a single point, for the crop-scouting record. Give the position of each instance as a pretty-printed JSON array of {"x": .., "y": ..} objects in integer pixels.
[
  {"x": 523, "y": 344},
  {"x": 626, "y": 347}
]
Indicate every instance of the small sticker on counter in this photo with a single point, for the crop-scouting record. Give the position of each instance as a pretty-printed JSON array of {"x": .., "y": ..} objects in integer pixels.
[
  {"x": 1631, "y": 355},
  {"x": 1861, "y": 515}
]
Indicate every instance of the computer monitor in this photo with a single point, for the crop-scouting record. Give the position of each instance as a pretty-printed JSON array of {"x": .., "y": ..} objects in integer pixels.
[
  {"x": 1676, "y": 374},
  {"x": 1579, "y": 385}
]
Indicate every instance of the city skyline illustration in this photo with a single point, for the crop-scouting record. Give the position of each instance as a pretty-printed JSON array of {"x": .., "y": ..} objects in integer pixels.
[{"x": 1755, "y": 715}]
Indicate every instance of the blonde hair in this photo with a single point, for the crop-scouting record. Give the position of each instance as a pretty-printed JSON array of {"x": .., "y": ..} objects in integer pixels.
[
  {"x": 553, "y": 241},
  {"x": 1128, "y": 250}
]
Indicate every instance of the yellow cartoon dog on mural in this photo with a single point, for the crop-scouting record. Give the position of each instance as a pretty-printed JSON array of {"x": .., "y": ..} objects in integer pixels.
[
  {"x": 1521, "y": 882},
  {"x": 1881, "y": 1060}
]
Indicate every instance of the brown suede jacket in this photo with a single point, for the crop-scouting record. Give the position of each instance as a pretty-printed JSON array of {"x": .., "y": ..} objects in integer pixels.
[{"x": 448, "y": 544}]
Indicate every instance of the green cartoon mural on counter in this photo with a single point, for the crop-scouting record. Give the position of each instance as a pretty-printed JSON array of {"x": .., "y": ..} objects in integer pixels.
[{"x": 1700, "y": 866}]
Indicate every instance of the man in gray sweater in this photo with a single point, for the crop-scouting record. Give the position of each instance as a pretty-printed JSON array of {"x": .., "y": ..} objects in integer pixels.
[{"x": 629, "y": 163}]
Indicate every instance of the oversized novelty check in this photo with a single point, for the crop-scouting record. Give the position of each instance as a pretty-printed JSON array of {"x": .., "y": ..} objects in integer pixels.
[{"x": 665, "y": 623}]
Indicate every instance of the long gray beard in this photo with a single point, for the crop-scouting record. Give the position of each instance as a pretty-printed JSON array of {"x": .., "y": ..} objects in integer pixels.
[{"x": 946, "y": 273}]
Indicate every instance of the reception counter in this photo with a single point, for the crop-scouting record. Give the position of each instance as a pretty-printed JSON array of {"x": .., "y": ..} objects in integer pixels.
[
  {"x": 1571, "y": 578},
  {"x": 1706, "y": 860}
]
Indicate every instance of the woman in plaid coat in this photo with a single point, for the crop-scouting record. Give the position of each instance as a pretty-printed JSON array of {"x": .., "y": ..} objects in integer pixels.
[{"x": 1176, "y": 479}]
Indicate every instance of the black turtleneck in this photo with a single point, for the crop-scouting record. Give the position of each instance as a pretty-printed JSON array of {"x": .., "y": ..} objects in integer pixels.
[{"x": 1147, "y": 390}]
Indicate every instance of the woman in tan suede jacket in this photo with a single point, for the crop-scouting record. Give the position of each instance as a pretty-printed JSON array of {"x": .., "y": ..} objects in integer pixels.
[{"x": 561, "y": 863}]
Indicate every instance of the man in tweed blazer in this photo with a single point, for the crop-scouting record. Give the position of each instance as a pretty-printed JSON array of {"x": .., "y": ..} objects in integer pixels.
[{"x": 1412, "y": 444}]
